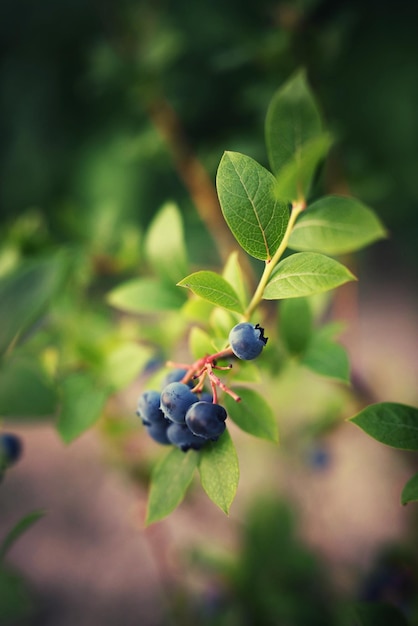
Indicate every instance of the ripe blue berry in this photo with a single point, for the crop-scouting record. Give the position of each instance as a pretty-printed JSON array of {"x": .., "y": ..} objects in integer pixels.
[
  {"x": 175, "y": 376},
  {"x": 176, "y": 398},
  {"x": 10, "y": 448},
  {"x": 148, "y": 408},
  {"x": 158, "y": 432},
  {"x": 206, "y": 419},
  {"x": 181, "y": 436},
  {"x": 247, "y": 341}
]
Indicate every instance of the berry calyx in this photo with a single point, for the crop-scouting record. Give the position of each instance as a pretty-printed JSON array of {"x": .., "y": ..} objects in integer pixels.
[{"x": 247, "y": 341}]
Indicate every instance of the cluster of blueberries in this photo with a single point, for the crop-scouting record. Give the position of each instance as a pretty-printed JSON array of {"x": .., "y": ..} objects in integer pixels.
[
  {"x": 10, "y": 451},
  {"x": 181, "y": 417}
]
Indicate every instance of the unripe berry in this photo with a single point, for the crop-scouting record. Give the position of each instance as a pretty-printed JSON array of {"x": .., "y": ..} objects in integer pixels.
[{"x": 247, "y": 341}]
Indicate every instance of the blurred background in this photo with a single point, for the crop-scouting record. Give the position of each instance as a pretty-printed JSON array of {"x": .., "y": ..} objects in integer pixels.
[{"x": 109, "y": 109}]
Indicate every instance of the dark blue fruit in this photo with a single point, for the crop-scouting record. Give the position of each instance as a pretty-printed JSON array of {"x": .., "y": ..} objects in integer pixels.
[
  {"x": 181, "y": 436},
  {"x": 148, "y": 408},
  {"x": 206, "y": 419},
  {"x": 247, "y": 341},
  {"x": 158, "y": 432},
  {"x": 175, "y": 376},
  {"x": 176, "y": 398},
  {"x": 10, "y": 448}
]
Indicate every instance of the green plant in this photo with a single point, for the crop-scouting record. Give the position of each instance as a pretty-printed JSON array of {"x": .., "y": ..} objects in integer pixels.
[{"x": 272, "y": 217}]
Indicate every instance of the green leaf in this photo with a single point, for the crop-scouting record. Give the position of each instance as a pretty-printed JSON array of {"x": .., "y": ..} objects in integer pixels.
[
  {"x": 377, "y": 614},
  {"x": 165, "y": 247},
  {"x": 200, "y": 343},
  {"x": 295, "y": 177},
  {"x": 327, "y": 358},
  {"x": 18, "y": 530},
  {"x": 213, "y": 288},
  {"x": 296, "y": 324},
  {"x": 219, "y": 471},
  {"x": 197, "y": 310},
  {"x": 304, "y": 274},
  {"x": 247, "y": 194},
  {"x": 170, "y": 480},
  {"x": 233, "y": 274},
  {"x": 81, "y": 406},
  {"x": 292, "y": 120},
  {"x": 246, "y": 372},
  {"x": 222, "y": 321},
  {"x": 123, "y": 364},
  {"x": 25, "y": 295},
  {"x": 410, "y": 491},
  {"x": 145, "y": 295},
  {"x": 336, "y": 225},
  {"x": 39, "y": 397},
  {"x": 390, "y": 423},
  {"x": 253, "y": 414}
]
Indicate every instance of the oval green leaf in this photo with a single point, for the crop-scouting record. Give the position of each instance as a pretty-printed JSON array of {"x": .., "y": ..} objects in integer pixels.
[
  {"x": 234, "y": 275},
  {"x": 82, "y": 404},
  {"x": 410, "y": 491},
  {"x": 145, "y": 295},
  {"x": 292, "y": 120},
  {"x": 219, "y": 471},
  {"x": 200, "y": 343},
  {"x": 247, "y": 194},
  {"x": 305, "y": 274},
  {"x": 25, "y": 294},
  {"x": 123, "y": 364},
  {"x": 336, "y": 225},
  {"x": 296, "y": 324},
  {"x": 18, "y": 530},
  {"x": 295, "y": 177},
  {"x": 327, "y": 358},
  {"x": 170, "y": 480},
  {"x": 390, "y": 423},
  {"x": 165, "y": 247},
  {"x": 253, "y": 414},
  {"x": 39, "y": 398},
  {"x": 212, "y": 287}
]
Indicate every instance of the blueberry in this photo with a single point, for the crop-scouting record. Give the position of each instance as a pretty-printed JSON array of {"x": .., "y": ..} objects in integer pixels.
[
  {"x": 206, "y": 419},
  {"x": 206, "y": 396},
  {"x": 176, "y": 398},
  {"x": 158, "y": 432},
  {"x": 182, "y": 437},
  {"x": 247, "y": 341},
  {"x": 175, "y": 376},
  {"x": 10, "y": 448},
  {"x": 148, "y": 408}
]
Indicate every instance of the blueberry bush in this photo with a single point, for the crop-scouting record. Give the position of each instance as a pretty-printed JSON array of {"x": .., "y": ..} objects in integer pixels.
[
  {"x": 206, "y": 345},
  {"x": 295, "y": 242}
]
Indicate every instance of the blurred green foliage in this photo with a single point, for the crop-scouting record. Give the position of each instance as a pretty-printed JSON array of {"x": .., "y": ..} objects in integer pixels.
[{"x": 77, "y": 81}]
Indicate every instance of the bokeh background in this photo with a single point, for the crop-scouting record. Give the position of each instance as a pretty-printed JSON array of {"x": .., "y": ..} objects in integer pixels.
[{"x": 109, "y": 109}]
